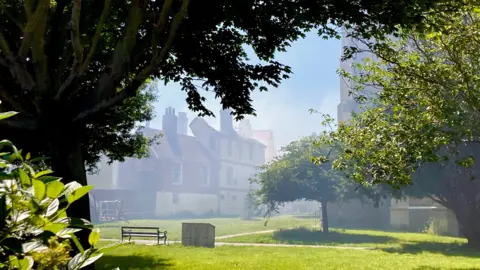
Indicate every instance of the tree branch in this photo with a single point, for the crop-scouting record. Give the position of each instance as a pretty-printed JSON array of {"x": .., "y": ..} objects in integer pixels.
[
  {"x": 127, "y": 92},
  {"x": 75, "y": 36},
  {"x": 21, "y": 124},
  {"x": 77, "y": 49},
  {"x": 7, "y": 96},
  {"x": 20, "y": 74},
  {"x": 32, "y": 24},
  {"x": 38, "y": 47},
  {"x": 96, "y": 37},
  {"x": 156, "y": 61},
  {"x": 131, "y": 89}
]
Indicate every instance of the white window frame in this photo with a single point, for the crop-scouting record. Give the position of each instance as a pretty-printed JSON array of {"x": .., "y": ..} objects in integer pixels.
[
  {"x": 181, "y": 174},
  {"x": 208, "y": 175},
  {"x": 229, "y": 180}
]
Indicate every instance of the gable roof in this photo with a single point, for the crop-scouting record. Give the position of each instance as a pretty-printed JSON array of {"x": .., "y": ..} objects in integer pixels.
[
  {"x": 201, "y": 123},
  {"x": 189, "y": 148}
]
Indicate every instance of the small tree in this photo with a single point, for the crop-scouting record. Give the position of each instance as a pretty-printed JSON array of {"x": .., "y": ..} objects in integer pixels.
[{"x": 293, "y": 176}]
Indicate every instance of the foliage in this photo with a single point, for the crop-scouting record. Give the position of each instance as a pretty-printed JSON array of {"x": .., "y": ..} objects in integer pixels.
[
  {"x": 35, "y": 230},
  {"x": 428, "y": 100},
  {"x": 78, "y": 65}
]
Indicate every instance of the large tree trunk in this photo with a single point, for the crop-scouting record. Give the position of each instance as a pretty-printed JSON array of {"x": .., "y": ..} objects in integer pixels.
[
  {"x": 469, "y": 226},
  {"x": 68, "y": 163},
  {"x": 325, "y": 226}
]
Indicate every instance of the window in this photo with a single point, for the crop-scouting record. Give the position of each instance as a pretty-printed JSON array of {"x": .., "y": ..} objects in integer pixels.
[
  {"x": 213, "y": 143},
  {"x": 205, "y": 176},
  {"x": 177, "y": 174},
  {"x": 175, "y": 198},
  {"x": 250, "y": 152},
  {"x": 229, "y": 148},
  {"x": 240, "y": 151},
  {"x": 229, "y": 175}
]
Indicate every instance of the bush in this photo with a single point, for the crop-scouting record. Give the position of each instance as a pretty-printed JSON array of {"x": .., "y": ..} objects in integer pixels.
[{"x": 35, "y": 232}]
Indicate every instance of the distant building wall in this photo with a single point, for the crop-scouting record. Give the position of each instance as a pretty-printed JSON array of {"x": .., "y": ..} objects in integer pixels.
[
  {"x": 169, "y": 204},
  {"x": 107, "y": 176}
]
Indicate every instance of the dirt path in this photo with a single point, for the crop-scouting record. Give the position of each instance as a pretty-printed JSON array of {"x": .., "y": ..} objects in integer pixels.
[{"x": 243, "y": 234}]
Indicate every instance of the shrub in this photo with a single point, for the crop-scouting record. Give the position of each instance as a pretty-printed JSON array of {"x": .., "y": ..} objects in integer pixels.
[{"x": 35, "y": 232}]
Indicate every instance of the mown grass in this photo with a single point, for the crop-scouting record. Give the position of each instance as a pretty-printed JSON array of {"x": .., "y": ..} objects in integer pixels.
[
  {"x": 234, "y": 257},
  {"x": 388, "y": 241},
  {"x": 223, "y": 226}
]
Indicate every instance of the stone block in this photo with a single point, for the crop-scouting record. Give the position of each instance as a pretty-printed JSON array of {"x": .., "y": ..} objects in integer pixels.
[{"x": 198, "y": 234}]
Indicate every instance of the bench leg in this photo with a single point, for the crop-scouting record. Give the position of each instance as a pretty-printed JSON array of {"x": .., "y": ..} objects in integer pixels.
[{"x": 165, "y": 240}]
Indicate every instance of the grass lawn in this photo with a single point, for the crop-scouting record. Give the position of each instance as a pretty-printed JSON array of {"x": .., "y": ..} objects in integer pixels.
[
  {"x": 223, "y": 226},
  {"x": 393, "y": 241},
  {"x": 230, "y": 257}
]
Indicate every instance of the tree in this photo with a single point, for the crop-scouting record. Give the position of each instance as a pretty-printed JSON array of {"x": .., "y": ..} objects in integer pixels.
[
  {"x": 293, "y": 176},
  {"x": 425, "y": 119},
  {"x": 70, "y": 67}
]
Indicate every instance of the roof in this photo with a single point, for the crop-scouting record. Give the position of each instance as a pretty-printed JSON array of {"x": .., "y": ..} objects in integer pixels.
[
  {"x": 263, "y": 136},
  {"x": 189, "y": 148},
  {"x": 198, "y": 121}
]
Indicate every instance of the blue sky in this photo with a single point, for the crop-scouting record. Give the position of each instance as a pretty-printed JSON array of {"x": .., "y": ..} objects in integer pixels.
[{"x": 285, "y": 110}]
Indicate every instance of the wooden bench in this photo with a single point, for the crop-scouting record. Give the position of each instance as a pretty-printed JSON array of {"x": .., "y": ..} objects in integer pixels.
[{"x": 144, "y": 232}]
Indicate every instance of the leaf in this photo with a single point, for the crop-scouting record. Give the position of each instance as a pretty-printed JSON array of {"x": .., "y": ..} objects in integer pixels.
[
  {"x": 75, "y": 262},
  {"x": 71, "y": 187},
  {"x": 48, "y": 178},
  {"x": 37, "y": 159},
  {"x": 91, "y": 260},
  {"x": 55, "y": 227},
  {"x": 26, "y": 263},
  {"x": 67, "y": 232},
  {"x": 28, "y": 156},
  {"x": 17, "y": 155},
  {"x": 24, "y": 179},
  {"x": 39, "y": 188},
  {"x": 42, "y": 173},
  {"x": 52, "y": 208},
  {"x": 54, "y": 189},
  {"x": 5, "y": 115},
  {"x": 33, "y": 246},
  {"x": 77, "y": 194},
  {"x": 94, "y": 237}
]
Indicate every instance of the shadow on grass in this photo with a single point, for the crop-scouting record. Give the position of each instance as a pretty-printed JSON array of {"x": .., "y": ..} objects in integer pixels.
[
  {"x": 449, "y": 249},
  {"x": 441, "y": 268},
  {"x": 311, "y": 237},
  {"x": 132, "y": 262}
]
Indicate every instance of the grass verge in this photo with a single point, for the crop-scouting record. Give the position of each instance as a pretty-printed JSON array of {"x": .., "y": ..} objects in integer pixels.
[
  {"x": 388, "y": 241},
  {"x": 223, "y": 226},
  {"x": 230, "y": 257}
]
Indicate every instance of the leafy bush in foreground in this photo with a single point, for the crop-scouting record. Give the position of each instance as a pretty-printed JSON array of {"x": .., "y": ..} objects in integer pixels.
[{"x": 35, "y": 231}]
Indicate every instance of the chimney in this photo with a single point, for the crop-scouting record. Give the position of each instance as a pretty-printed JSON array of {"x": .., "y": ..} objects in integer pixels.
[
  {"x": 182, "y": 126},
  {"x": 226, "y": 121},
  {"x": 169, "y": 126},
  {"x": 246, "y": 128},
  {"x": 169, "y": 123}
]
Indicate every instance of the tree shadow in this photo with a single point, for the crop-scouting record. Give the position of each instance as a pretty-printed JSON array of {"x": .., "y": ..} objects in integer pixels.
[
  {"x": 448, "y": 249},
  {"x": 308, "y": 236},
  {"x": 442, "y": 268},
  {"x": 132, "y": 262}
]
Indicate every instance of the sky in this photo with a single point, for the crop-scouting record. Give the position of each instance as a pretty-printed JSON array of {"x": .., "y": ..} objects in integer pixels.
[{"x": 314, "y": 84}]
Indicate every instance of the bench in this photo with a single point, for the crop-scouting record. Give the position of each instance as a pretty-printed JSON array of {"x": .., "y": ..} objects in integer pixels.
[{"x": 144, "y": 232}]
